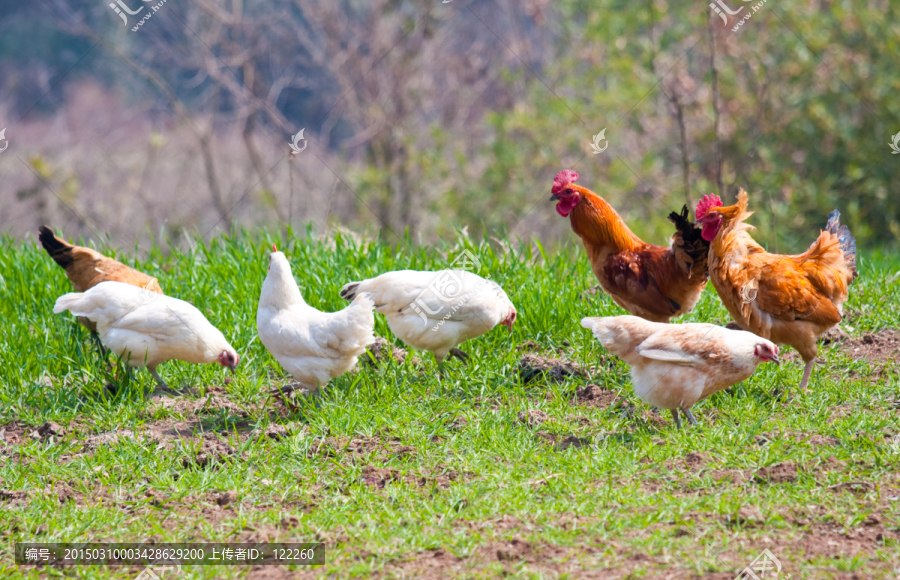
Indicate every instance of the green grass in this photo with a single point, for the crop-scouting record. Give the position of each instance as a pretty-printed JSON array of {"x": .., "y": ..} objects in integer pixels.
[{"x": 497, "y": 499}]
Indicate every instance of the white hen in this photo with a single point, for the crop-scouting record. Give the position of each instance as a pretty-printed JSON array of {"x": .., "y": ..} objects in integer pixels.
[
  {"x": 147, "y": 329},
  {"x": 675, "y": 365},
  {"x": 313, "y": 346},
  {"x": 435, "y": 311}
]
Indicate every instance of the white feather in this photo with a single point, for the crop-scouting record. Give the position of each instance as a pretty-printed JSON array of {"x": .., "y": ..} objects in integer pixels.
[
  {"x": 313, "y": 346},
  {"x": 146, "y": 329},
  {"x": 436, "y": 311}
]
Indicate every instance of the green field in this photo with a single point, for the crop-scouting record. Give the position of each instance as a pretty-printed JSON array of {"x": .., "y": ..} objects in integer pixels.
[{"x": 497, "y": 470}]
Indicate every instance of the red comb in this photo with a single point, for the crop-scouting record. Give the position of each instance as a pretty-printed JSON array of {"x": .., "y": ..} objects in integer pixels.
[
  {"x": 563, "y": 179},
  {"x": 706, "y": 203},
  {"x": 274, "y": 248}
]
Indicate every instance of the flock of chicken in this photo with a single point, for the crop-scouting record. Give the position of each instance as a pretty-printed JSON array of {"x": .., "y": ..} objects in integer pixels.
[{"x": 774, "y": 300}]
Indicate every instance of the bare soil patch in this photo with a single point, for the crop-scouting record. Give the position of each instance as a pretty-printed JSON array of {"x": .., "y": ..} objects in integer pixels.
[
  {"x": 879, "y": 347},
  {"x": 534, "y": 366},
  {"x": 382, "y": 350},
  {"x": 214, "y": 401},
  {"x": 595, "y": 396},
  {"x": 563, "y": 442},
  {"x": 533, "y": 417},
  {"x": 341, "y": 445},
  {"x": 779, "y": 473}
]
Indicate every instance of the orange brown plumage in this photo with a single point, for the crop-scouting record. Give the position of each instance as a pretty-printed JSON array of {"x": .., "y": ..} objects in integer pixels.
[
  {"x": 790, "y": 300},
  {"x": 654, "y": 282},
  {"x": 86, "y": 267}
]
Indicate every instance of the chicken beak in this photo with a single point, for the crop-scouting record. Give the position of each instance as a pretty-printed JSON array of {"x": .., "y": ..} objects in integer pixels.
[
  {"x": 554, "y": 197},
  {"x": 776, "y": 360}
]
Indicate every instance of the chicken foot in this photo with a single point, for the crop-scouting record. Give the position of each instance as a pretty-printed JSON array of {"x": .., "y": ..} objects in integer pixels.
[
  {"x": 459, "y": 354},
  {"x": 159, "y": 381},
  {"x": 285, "y": 394},
  {"x": 687, "y": 413}
]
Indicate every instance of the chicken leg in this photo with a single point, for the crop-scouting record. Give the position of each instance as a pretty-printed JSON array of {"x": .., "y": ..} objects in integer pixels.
[
  {"x": 159, "y": 381},
  {"x": 687, "y": 413},
  {"x": 677, "y": 419},
  {"x": 690, "y": 416},
  {"x": 96, "y": 338},
  {"x": 806, "y": 374}
]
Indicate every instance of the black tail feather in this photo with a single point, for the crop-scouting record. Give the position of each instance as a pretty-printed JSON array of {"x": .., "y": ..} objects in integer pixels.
[
  {"x": 348, "y": 292},
  {"x": 845, "y": 239},
  {"x": 694, "y": 244},
  {"x": 60, "y": 251}
]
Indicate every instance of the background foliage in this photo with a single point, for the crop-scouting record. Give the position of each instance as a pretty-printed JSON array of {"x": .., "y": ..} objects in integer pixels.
[{"x": 425, "y": 117}]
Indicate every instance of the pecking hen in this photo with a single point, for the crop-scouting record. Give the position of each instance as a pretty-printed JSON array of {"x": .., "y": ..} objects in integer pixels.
[
  {"x": 652, "y": 282},
  {"x": 436, "y": 311},
  {"x": 790, "y": 300},
  {"x": 149, "y": 329},
  {"x": 675, "y": 365},
  {"x": 313, "y": 346}
]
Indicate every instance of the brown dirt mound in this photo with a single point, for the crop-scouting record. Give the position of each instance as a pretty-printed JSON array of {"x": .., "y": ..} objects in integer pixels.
[
  {"x": 779, "y": 473},
  {"x": 213, "y": 402},
  {"x": 816, "y": 440},
  {"x": 382, "y": 350},
  {"x": 211, "y": 451},
  {"x": 13, "y": 433},
  {"x": 595, "y": 396},
  {"x": 882, "y": 347},
  {"x": 340, "y": 445},
  {"x": 533, "y": 366},
  {"x": 695, "y": 460},
  {"x": 563, "y": 442},
  {"x": 533, "y": 417},
  {"x": 379, "y": 477}
]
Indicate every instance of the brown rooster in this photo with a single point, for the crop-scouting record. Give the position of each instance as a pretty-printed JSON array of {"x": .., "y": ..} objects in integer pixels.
[
  {"x": 787, "y": 299},
  {"x": 653, "y": 282},
  {"x": 86, "y": 268}
]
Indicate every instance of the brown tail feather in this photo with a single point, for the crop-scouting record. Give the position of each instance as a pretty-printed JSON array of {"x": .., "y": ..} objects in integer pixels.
[{"x": 60, "y": 251}]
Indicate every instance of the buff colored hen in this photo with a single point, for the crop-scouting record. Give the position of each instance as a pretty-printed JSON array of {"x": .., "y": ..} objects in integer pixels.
[{"x": 675, "y": 365}]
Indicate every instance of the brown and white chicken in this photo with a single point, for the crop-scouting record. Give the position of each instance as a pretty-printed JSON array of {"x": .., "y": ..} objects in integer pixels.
[
  {"x": 86, "y": 267},
  {"x": 675, "y": 365}
]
